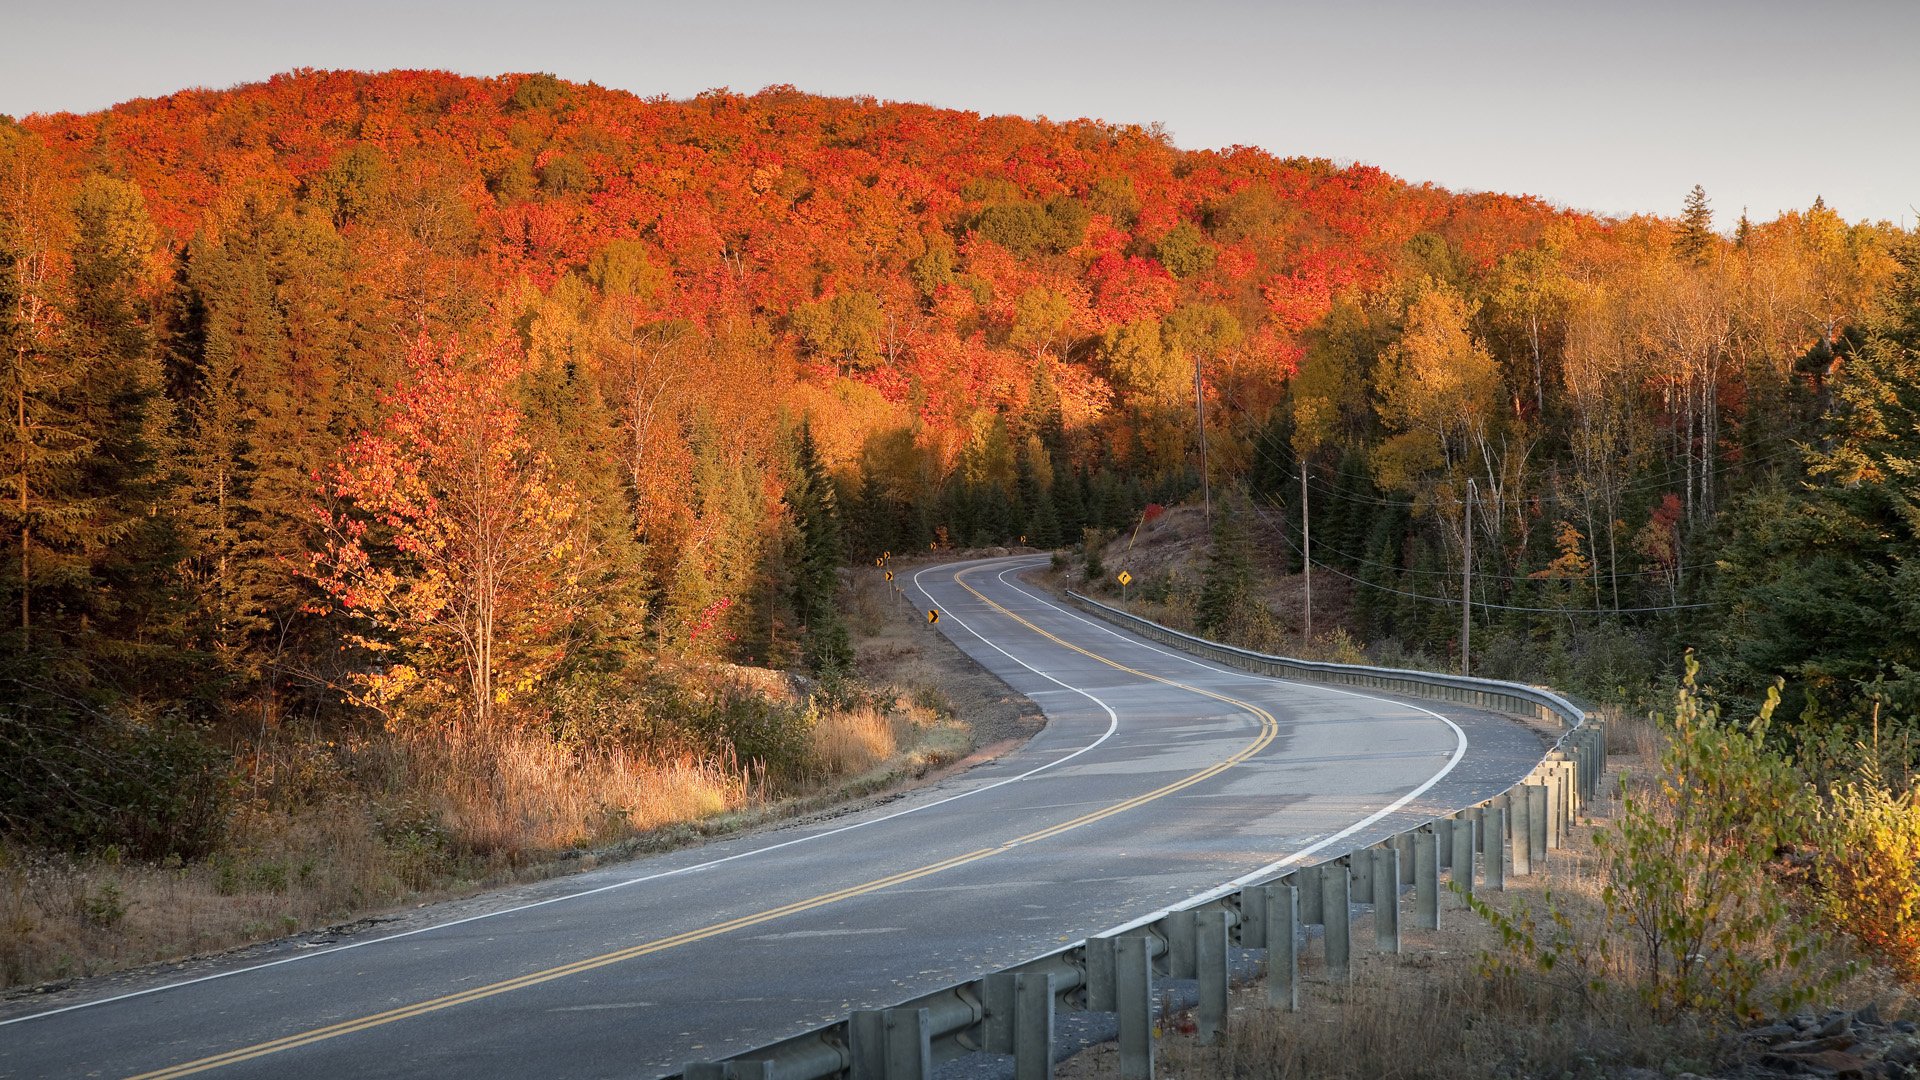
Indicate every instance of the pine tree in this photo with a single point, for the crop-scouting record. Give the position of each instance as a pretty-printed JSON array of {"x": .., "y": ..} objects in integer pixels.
[
  {"x": 816, "y": 580},
  {"x": 112, "y": 553},
  {"x": 45, "y": 445},
  {"x": 1694, "y": 239},
  {"x": 1226, "y": 588}
]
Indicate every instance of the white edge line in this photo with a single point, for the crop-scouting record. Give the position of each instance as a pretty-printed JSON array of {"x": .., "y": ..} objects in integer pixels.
[
  {"x": 1459, "y": 752},
  {"x": 1113, "y": 724}
]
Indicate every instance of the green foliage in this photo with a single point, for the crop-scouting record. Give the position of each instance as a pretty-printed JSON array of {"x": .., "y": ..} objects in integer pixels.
[
  {"x": 1253, "y": 212},
  {"x": 933, "y": 269},
  {"x": 351, "y": 188},
  {"x": 820, "y": 550},
  {"x": 1115, "y": 197},
  {"x": 1689, "y": 884},
  {"x": 564, "y": 174},
  {"x": 1227, "y": 590},
  {"x": 844, "y": 328},
  {"x": 537, "y": 91},
  {"x": 1093, "y": 541},
  {"x": 1694, "y": 239},
  {"x": 1821, "y": 580},
  {"x": 1030, "y": 229},
  {"x": 623, "y": 269},
  {"x": 82, "y": 782},
  {"x": 1688, "y": 866},
  {"x": 1185, "y": 252}
]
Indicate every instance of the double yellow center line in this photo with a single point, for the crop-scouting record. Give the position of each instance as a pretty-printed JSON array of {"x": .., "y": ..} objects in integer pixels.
[{"x": 1268, "y": 730}]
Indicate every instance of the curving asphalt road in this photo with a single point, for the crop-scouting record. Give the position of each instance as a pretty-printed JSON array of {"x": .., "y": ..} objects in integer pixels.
[{"x": 1158, "y": 777}]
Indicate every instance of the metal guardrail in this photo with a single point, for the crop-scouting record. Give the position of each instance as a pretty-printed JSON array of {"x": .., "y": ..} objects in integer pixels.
[{"x": 1012, "y": 1011}]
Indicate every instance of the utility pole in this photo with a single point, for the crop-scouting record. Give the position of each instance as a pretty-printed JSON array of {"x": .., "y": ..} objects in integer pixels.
[
  {"x": 1200, "y": 415},
  {"x": 1466, "y": 582},
  {"x": 1306, "y": 547}
]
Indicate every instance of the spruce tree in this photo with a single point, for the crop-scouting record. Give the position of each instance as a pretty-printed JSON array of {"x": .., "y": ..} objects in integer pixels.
[
  {"x": 116, "y": 552},
  {"x": 1693, "y": 241},
  {"x": 821, "y": 550},
  {"x": 1227, "y": 585}
]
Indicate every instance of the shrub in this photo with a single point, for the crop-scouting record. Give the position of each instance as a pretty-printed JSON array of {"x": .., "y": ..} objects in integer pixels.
[
  {"x": 1868, "y": 868},
  {"x": 87, "y": 783},
  {"x": 1687, "y": 876},
  {"x": 1687, "y": 865}
]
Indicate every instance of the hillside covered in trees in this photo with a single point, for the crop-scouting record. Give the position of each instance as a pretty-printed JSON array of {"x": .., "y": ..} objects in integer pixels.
[{"x": 363, "y": 406}]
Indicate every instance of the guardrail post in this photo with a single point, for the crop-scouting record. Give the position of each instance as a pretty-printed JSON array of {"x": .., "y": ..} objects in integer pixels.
[
  {"x": 1099, "y": 961},
  {"x": 909, "y": 1044},
  {"x": 1360, "y": 869},
  {"x": 704, "y": 1070},
  {"x": 1133, "y": 986},
  {"x": 1463, "y": 853},
  {"x": 997, "y": 995},
  {"x": 1537, "y": 822},
  {"x": 1178, "y": 927},
  {"x": 1426, "y": 878},
  {"x": 1521, "y": 830},
  {"x": 1403, "y": 843},
  {"x": 1252, "y": 928},
  {"x": 749, "y": 1070},
  {"x": 1336, "y": 910},
  {"x": 1283, "y": 946},
  {"x": 1494, "y": 862},
  {"x": 1386, "y": 899},
  {"x": 1033, "y": 1026},
  {"x": 1443, "y": 835},
  {"x": 1210, "y": 962},
  {"x": 1308, "y": 878},
  {"x": 1556, "y": 806},
  {"x": 867, "y": 1044}
]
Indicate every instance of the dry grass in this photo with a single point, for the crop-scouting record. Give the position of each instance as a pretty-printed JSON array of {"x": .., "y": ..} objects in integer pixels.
[
  {"x": 851, "y": 742},
  {"x": 330, "y": 832},
  {"x": 513, "y": 795}
]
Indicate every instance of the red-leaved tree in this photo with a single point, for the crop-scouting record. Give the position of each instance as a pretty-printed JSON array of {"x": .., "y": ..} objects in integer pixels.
[{"x": 452, "y": 543}]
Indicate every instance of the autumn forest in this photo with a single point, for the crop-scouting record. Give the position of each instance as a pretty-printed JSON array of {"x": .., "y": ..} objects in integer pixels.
[{"x": 357, "y": 425}]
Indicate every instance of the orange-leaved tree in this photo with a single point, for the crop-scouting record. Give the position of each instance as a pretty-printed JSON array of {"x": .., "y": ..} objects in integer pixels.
[{"x": 450, "y": 540}]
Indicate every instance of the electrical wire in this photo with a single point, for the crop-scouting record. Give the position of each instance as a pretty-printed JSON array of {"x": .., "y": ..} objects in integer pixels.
[{"x": 1455, "y": 601}]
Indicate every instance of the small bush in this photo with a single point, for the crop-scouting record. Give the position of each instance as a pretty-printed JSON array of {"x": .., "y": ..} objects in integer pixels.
[
  {"x": 1868, "y": 868},
  {"x": 1688, "y": 882}
]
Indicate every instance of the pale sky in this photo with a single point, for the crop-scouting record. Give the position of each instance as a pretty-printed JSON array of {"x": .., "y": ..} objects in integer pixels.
[{"x": 1615, "y": 107}]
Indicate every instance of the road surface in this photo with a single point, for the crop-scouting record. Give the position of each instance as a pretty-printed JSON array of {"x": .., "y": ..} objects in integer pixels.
[{"x": 1157, "y": 777}]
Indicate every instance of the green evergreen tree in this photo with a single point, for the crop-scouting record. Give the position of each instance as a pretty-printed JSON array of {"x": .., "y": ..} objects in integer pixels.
[
  {"x": 821, "y": 551},
  {"x": 114, "y": 590},
  {"x": 1693, "y": 240},
  {"x": 1227, "y": 587}
]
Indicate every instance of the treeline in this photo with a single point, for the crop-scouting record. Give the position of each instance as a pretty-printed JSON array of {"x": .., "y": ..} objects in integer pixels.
[{"x": 1624, "y": 424}]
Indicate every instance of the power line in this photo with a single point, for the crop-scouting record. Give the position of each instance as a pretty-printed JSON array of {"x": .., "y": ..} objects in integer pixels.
[
  {"x": 1481, "y": 604},
  {"x": 1375, "y": 563}
]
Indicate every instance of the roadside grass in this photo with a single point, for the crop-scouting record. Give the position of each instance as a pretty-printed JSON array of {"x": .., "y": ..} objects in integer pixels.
[{"x": 329, "y": 832}]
